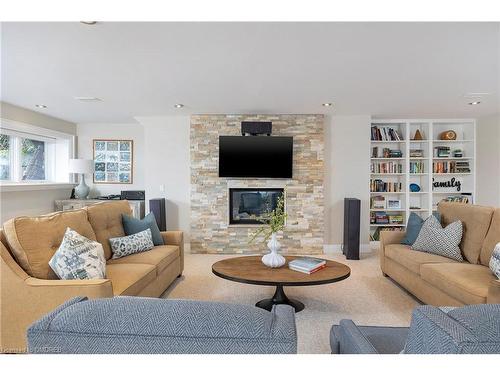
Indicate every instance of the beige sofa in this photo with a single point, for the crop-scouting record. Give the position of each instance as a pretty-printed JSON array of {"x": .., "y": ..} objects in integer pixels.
[
  {"x": 30, "y": 289},
  {"x": 440, "y": 281}
]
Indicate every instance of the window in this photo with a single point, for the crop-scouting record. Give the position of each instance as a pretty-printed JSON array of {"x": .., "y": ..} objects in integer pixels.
[
  {"x": 30, "y": 154},
  {"x": 4, "y": 157}
]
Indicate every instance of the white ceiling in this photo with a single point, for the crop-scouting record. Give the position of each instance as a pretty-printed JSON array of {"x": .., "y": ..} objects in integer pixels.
[{"x": 143, "y": 69}]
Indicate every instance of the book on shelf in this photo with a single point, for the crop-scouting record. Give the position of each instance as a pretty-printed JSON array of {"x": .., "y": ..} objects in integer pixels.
[
  {"x": 389, "y": 153},
  {"x": 441, "y": 152},
  {"x": 307, "y": 265},
  {"x": 380, "y": 186},
  {"x": 451, "y": 167},
  {"x": 416, "y": 153},
  {"x": 417, "y": 167},
  {"x": 375, "y": 236},
  {"x": 386, "y": 167},
  {"x": 395, "y": 219},
  {"x": 382, "y": 217},
  {"x": 464, "y": 198},
  {"x": 385, "y": 133},
  {"x": 378, "y": 202}
]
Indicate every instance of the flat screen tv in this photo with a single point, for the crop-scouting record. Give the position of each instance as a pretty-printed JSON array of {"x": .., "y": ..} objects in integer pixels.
[{"x": 255, "y": 156}]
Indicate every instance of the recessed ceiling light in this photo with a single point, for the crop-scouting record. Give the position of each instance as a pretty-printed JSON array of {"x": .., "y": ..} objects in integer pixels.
[
  {"x": 474, "y": 103},
  {"x": 178, "y": 105},
  {"x": 89, "y": 23},
  {"x": 327, "y": 104},
  {"x": 42, "y": 106},
  {"x": 88, "y": 99}
]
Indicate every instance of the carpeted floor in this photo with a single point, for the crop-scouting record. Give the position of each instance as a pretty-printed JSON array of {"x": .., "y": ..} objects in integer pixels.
[{"x": 366, "y": 297}]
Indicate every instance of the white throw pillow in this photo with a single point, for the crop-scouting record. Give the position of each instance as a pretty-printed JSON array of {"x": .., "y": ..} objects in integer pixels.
[
  {"x": 435, "y": 239},
  {"x": 78, "y": 258},
  {"x": 495, "y": 261},
  {"x": 128, "y": 245}
]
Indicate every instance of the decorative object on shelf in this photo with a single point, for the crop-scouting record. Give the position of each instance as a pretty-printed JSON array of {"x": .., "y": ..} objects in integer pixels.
[
  {"x": 451, "y": 183},
  {"x": 393, "y": 204},
  {"x": 414, "y": 188},
  {"x": 113, "y": 161},
  {"x": 274, "y": 222},
  {"x": 81, "y": 166},
  {"x": 458, "y": 153},
  {"x": 418, "y": 136},
  {"x": 448, "y": 135}
]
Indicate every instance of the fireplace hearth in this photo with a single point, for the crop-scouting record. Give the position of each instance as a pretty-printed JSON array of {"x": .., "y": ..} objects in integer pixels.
[{"x": 246, "y": 205}]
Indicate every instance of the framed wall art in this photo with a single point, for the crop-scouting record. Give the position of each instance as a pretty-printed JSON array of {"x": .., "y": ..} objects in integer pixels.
[{"x": 113, "y": 161}]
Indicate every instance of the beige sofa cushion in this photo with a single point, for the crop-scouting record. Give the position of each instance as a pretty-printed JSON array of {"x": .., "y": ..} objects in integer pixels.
[
  {"x": 106, "y": 220},
  {"x": 476, "y": 222},
  {"x": 412, "y": 259},
  {"x": 463, "y": 281},
  {"x": 159, "y": 256},
  {"x": 130, "y": 279},
  {"x": 34, "y": 240},
  {"x": 492, "y": 238}
]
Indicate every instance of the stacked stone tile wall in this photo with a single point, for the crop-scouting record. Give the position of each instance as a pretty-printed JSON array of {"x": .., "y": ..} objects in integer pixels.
[{"x": 210, "y": 229}]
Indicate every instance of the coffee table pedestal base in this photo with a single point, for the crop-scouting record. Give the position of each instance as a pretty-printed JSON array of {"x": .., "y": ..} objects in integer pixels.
[{"x": 280, "y": 298}]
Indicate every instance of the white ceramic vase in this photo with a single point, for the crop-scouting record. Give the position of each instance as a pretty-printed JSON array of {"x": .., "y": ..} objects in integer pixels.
[{"x": 273, "y": 259}]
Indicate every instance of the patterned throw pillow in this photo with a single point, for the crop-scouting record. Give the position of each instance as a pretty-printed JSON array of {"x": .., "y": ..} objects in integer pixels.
[
  {"x": 495, "y": 261},
  {"x": 413, "y": 227},
  {"x": 435, "y": 239},
  {"x": 128, "y": 245},
  {"x": 78, "y": 258},
  {"x": 131, "y": 225}
]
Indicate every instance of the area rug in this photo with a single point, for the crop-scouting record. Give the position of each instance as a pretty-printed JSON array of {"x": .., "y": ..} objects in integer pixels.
[{"x": 366, "y": 297}]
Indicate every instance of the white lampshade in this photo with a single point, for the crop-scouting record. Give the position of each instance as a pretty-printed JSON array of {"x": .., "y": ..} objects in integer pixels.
[{"x": 81, "y": 166}]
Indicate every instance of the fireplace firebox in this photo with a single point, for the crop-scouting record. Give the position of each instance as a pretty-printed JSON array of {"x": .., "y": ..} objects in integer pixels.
[{"x": 246, "y": 205}]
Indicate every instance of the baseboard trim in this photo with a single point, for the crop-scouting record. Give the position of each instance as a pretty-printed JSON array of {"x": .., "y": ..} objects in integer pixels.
[{"x": 337, "y": 249}]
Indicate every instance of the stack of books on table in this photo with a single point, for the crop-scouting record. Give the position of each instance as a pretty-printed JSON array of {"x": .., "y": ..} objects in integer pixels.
[{"x": 307, "y": 265}]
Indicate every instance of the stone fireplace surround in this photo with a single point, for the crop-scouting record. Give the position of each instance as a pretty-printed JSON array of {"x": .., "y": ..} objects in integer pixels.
[{"x": 304, "y": 200}]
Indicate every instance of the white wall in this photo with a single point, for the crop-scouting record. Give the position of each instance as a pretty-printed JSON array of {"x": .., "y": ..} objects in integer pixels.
[
  {"x": 167, "y": 163},
  {"x": 347, "y": 161},
  {"x": 32, "y": 202},
  {"x": 488, "y": 160},
  {"x": 88, "y": 132}
]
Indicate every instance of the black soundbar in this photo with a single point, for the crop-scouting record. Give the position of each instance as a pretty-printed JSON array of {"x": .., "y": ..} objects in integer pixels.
[{"x": 256, "y": 127}]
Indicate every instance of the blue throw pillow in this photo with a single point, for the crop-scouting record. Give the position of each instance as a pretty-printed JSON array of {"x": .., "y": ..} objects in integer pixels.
[
  {"x": 131, "y": 225},
  {"x": 413, "y": 227}
]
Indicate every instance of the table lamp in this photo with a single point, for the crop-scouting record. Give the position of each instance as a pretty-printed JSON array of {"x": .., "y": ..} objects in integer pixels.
[{"x": 81, "y": 166}]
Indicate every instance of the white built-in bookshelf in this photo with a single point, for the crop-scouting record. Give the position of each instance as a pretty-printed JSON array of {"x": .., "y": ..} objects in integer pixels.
[{"x": 454, "y": 164}]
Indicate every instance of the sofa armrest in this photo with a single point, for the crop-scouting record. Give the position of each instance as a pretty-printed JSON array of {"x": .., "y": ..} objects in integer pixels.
[
  {"x": 175, "y": 237},
  {"x": 494, "y": 292},
  {"x": 432, "y": 331},
  {"x": 347, "y": 338},
  {"x": 388, "y": 237},
  {"x": 26, "y": 299}
]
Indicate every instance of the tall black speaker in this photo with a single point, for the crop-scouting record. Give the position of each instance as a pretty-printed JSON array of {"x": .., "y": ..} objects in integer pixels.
[
  {"x": 352, "y": 210},
  {"x": 157, "y": 207}
]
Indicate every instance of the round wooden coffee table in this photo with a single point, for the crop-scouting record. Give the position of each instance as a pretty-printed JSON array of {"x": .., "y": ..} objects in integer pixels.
[{"x": 250, "y": 270}]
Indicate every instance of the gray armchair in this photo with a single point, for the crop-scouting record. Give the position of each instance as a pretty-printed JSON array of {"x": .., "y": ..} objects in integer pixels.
[
  {"x": 131, "y": 325},
  {"x": 465, "y": 330}
]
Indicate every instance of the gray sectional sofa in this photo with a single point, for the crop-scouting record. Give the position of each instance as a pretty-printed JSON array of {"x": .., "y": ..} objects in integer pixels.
[
  {"x": 473, "y": 329},
  {"x": 141, "y": 325}
]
